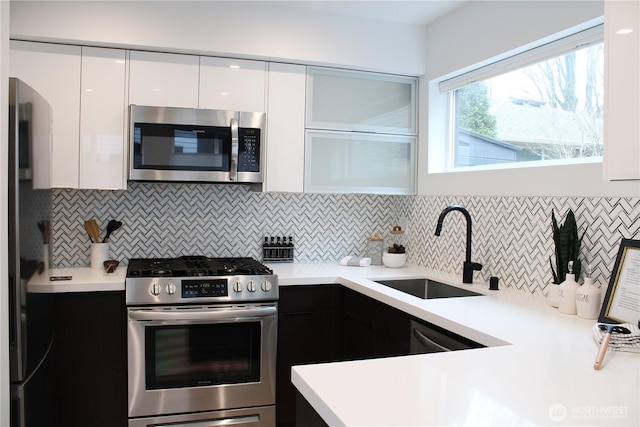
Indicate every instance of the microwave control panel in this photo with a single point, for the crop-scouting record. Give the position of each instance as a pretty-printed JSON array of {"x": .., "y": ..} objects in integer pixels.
[{"x": 248, "y": 150}]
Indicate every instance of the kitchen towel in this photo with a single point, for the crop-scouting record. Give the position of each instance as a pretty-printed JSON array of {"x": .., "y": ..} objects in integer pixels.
[
  {"x": 620, "y": 342},
  {"x": 355, "y": 261}
]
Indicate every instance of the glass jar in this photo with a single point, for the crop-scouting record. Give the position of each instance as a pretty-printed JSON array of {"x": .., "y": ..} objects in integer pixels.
[
  {"x": 395, "y": 241},
  {"x": 375, "y": 246}
]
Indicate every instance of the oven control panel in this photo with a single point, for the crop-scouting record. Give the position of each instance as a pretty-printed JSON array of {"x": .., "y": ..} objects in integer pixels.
[
  {"x": 170, "y": 290},
  {"x": 204, "y": 288}
]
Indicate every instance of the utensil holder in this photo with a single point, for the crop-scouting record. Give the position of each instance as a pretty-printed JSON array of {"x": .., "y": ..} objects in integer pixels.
[{"x": 99, "y": 254}]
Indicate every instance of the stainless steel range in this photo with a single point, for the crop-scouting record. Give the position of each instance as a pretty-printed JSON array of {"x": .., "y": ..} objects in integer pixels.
[{"x": 201, "y": 341}]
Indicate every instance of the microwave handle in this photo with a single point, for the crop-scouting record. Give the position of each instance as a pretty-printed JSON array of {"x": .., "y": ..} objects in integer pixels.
[{"x": 233, "y": 169}]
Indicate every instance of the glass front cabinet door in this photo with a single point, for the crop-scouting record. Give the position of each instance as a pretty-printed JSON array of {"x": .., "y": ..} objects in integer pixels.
[{"x": 361, "y": 132}]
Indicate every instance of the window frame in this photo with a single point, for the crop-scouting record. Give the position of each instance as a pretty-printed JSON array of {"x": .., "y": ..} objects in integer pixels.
[
  {"x": 442, "y": 97},
  {"x": 573, "y": 180}
]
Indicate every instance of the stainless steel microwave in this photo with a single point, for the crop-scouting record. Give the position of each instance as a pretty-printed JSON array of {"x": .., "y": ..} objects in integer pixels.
[{"x": 198, "y": 145}]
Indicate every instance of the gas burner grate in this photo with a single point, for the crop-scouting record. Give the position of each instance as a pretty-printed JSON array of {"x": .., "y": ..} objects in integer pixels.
[{"x": 195, "y": 266}]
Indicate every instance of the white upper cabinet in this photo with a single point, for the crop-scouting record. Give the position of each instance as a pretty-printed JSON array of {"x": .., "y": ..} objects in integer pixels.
[
  {"x": 103, "y": 133},
  {"x": 622, "y": 90},
  {"x": 54, "y": 71},
  {"x": 163, "y": 79},
  {"x": 285, "y": 129},
  {"x": 360, "y": 133},
  {"x": 232, "y": 84},
  {"x": 359, "y": 101}
]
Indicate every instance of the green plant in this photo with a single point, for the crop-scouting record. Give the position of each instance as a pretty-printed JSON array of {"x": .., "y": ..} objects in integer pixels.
[{"x": 567, "y": 247}]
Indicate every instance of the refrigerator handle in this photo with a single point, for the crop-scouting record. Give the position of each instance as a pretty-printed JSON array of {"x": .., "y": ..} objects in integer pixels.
[{"x": 14, "y": 313}]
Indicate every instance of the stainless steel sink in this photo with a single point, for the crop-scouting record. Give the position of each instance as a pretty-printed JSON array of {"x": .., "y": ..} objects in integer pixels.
[{"x": 427, "y": 288}]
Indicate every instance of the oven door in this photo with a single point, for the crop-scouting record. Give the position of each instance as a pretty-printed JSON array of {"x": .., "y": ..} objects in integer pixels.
[{"x": 185, "y": 359}]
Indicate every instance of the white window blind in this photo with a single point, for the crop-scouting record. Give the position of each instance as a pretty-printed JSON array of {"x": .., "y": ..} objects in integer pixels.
[{"x": 532, "y": 56}]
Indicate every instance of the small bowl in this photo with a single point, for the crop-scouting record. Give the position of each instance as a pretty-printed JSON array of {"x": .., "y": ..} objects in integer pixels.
[
  {"x": 393, "y": 260},
  {"x": 110, "y": 265}
]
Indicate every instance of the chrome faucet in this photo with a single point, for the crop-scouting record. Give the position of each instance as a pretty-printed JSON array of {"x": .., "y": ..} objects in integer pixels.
[{"x": 468, "y": 267}]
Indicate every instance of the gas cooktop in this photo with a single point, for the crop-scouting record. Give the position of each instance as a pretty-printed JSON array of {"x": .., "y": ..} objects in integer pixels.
[
  {"x": 195, "y": 266},
  {"x": 197, "y": 280}
]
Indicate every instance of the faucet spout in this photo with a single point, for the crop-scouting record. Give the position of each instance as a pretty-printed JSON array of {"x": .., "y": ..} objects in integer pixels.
[{"x": 468, "y": 267}]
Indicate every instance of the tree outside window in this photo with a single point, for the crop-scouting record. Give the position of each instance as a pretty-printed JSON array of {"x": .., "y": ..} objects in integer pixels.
[{"x": 549, "y": 110}]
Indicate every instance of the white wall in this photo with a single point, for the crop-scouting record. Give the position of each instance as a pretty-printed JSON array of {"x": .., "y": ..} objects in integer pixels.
[
  {"x": 4, "y": 297},
  {"x": 485, "y": 30},
  {"x": 246, "y": 29}
]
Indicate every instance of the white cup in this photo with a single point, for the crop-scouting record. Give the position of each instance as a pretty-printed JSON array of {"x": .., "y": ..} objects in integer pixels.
[{"x": 99, "y": 254}]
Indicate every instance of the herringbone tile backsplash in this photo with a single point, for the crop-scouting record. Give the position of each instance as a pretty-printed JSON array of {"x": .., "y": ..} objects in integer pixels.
[{"x": 511, "y": 235}]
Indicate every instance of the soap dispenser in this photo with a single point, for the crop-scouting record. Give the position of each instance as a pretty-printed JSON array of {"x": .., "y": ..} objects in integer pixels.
[
  {"x": 588, "y": 298},
  {"x": 567, "y": 293}
]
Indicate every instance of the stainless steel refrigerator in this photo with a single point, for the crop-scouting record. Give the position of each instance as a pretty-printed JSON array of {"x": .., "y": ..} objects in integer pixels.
[{"x": 31, "y": 336}]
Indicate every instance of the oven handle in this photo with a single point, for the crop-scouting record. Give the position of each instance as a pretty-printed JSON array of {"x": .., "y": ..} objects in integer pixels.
[
  {"x": 202, "y": 314},
  {"x": 213, "y": 423},
  {"x": 233, "y": 169}
]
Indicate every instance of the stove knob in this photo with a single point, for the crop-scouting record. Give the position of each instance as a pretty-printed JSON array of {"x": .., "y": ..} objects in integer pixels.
[
  {"x": 171, "y": 288},
  {"x": 155, "y": 289},
  {"x": 266, "y": 286},
  {"x": 237, "y": 286},
  {"x": 251, "y": 286}
]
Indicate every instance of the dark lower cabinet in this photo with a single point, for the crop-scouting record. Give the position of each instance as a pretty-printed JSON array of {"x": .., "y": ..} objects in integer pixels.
[
  {"x": 305, "y": 414},
  {"x": 329, "y": 323},
  {"x": 309, "y": 331},
  {"x": 372, "y": 328},
  {"x": 91, "y": 353}
]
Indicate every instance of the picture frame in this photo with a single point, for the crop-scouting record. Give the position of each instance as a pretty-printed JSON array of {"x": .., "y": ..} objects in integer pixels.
[{"x": 621, "y": 302}]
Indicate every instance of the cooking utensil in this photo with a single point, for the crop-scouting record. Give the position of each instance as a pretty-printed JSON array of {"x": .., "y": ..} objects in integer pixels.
[
  {"x": 110, "y": 265},
  {"x": 47, "y": 231},
  {"x": 112, "y": 226},
  {"x": 94, "y": 231},
  {"x": 41, "y": 228},
  {"x": 45, "y": 228},
  {"x": 609, "y": 328}
]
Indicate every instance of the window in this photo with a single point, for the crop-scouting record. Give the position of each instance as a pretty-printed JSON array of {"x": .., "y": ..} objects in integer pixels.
[{"x": 543, "y": 104}]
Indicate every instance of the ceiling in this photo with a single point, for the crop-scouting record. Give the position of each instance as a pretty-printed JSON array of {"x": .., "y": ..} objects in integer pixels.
[{"x": 418, "y": 12}]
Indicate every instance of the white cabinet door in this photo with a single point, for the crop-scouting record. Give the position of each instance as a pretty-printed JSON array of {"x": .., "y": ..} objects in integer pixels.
[
  {"x": 360, "y": 101},
  {"x": 622, "y": 90},
  {"x": 102, "y": 119},
  {"x": 163, "y": 79},
  {"x": 354, "y": 162},
  {"x": 54, "y": 71},
  {"x": 285, "y": 128},
  {"x": 232, "y": 84}
]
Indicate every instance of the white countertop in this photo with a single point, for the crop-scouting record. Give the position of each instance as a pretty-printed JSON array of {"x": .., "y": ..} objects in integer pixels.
[
  {"x": 83, "y": 279},
  {"x": 537, "y": 370}
]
